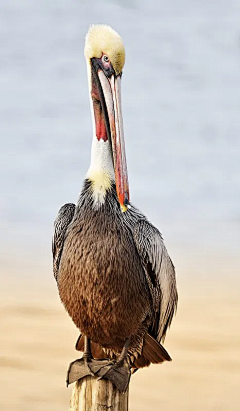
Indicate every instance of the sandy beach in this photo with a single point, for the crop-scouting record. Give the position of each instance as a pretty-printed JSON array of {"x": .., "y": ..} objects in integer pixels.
[{"x": 38, "y": 337}]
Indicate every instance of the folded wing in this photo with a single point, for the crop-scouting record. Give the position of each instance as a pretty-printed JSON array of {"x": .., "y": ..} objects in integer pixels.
[
  {"x": 160, "y": 276},
  {"x": 61, "y": 223}
]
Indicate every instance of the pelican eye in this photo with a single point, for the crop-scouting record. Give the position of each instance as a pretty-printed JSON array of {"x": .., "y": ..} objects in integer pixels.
[
  {"x": 106, "y": 66},
  {"x": 105, "y": 58}
]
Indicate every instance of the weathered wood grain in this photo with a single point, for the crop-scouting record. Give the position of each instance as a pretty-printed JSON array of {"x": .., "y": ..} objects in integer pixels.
[{"x": 89, "y": 394}]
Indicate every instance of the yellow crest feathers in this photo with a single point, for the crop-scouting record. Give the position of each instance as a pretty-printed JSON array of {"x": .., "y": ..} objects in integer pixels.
[{"x": 102, "y": 39}]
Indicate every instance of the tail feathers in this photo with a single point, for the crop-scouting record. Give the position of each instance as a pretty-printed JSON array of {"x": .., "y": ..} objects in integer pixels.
[
  {"x": 140, "y": 362},
  {"x": 154, "y": 351}
]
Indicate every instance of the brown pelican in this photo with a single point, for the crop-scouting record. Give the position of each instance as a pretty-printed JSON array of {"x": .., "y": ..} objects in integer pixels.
[{"x": 114, "y": 275}]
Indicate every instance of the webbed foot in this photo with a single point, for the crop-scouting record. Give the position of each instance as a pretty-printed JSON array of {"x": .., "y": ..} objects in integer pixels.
[
  {"x": 78, "y": 369},
  {"x": 118, "y": 373}
]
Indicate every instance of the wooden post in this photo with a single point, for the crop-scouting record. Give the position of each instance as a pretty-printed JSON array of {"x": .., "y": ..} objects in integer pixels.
[{"x": 90, "y": 394}]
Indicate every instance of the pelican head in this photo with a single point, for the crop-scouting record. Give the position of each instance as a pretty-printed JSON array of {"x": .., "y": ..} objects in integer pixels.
[{"x": 105, "y": 55}]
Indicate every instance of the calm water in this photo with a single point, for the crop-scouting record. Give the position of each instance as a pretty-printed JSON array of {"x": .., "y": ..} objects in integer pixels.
[{"x": 181, "y": 103}]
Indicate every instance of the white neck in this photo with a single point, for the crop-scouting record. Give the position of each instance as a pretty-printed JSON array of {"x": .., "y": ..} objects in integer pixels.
[
  {"x": 101, "y": 160},
  {"x": 100, "y": 172}
]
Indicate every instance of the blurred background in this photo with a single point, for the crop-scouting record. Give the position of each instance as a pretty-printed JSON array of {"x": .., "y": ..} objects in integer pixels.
[{"x": 181, "y": 100}]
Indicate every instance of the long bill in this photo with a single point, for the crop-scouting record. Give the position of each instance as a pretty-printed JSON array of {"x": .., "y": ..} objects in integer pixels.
[{"x": 112, "y": 94}]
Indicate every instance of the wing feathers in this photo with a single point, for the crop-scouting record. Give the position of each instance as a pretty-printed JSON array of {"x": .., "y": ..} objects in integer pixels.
[
  {"x": 160, "y": 275},
  {"x": 61, "y": 223}
]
